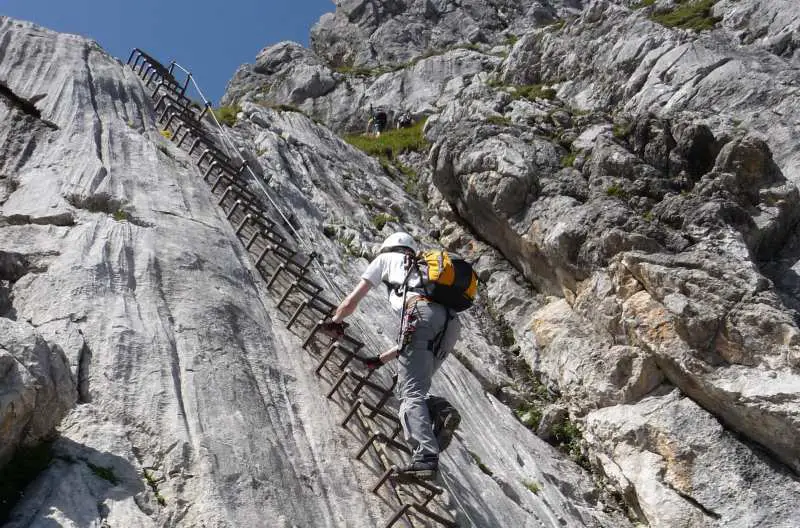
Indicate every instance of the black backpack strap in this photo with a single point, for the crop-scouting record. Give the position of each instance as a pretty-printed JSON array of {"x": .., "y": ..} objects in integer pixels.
[
  {"x": 419, "y": 274},
  {"x": 436, "y": 343}
]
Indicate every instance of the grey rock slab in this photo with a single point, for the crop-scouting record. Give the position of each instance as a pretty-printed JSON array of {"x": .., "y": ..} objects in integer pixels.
[
  {"x": 476, "y": 497},
  {"x": 613, "y": 57},
  {"x": 496, "y": 479},
  {"x": 589, "y": 370},
  {"x": 686, "y": 469},
  {"x": 387, "y": 33},
  {"x": 180, "y": 356},
  {"x": 295, "y": 76},
  {"x": 38, "y": 389},
  {"x": 752, "y": 390}
]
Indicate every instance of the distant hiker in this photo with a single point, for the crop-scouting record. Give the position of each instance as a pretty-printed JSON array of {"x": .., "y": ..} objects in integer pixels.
[
  {"x": 428, "y": 331},
  {"x": 405, "y": 120},
  {"x": 378, "y": 119}
]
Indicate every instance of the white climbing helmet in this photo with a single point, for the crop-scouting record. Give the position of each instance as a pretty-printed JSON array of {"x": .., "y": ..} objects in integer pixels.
[{"x": 399, "y": 239}]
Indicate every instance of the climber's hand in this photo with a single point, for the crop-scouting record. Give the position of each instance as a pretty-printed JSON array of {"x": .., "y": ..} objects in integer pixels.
[
  {"x": 335, "y": 330},
  {"x": 372, "y": 362}
]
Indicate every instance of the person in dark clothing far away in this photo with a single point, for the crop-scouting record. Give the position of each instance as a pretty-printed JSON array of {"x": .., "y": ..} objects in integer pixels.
[
  {"x": 378, "y": 119},
  {"x": 428, "y": 332},
  {"x": 405, "y": 120}
]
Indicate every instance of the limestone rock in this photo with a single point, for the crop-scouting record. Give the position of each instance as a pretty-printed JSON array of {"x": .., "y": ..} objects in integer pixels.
[
  {"x": 663, "y": 446},
  {"x": 362, "y": 33},
  {"x": 38, "y": 389},
  {"x": 626, "y": 189},
  {"x": 200, "y": 406},
  {"x": 286, "y": 74}
]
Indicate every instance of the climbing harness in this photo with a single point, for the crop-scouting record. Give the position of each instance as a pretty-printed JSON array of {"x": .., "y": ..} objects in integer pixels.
[{"x": 287, "y": 273}]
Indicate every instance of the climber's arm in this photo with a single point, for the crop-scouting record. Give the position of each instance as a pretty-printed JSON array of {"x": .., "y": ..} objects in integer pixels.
[{"x": 350, "y": 303}]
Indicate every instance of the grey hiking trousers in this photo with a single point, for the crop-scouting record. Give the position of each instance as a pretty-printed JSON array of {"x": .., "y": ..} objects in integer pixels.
[{"x": 417, "y": 363}]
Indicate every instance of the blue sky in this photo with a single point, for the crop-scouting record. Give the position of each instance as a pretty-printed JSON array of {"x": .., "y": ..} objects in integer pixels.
[{"x": 209, "y": 38}]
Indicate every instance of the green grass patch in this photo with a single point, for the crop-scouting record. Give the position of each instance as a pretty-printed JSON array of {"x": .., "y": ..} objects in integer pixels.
[
  {"x": 391, "y": 143},
  {"x": 511, "y": 40},
  {"x": 105, "y": 473},
  {"x": 351, "y": 247},
  {"x": 569, "y": 159},
  {"x": 21, "y": 470},
  {"x": 689, "y": 14},
  {"x": 120, "y": 215},
  {"x": 153, "y": 484},
  {"x": 469, "y": 46},
  {"x": 480, "y": 464},
  {"x": 642, "y": 4},
  {"x": 227, "y": 114},
  {"x": 411, "y": 183},
  {"x": 529, "y": 414},
  {"x": 567, "y": 438},
  {"x": 532, "y": 92},
  {"x": 357, "y": 72},
  {"x": 616, "y": 191},
  {"x": 622, "y": 130},
  {"x": 499, "y": 120},
  {"x": 381, "y": 219},
  {"x": 532, "y": 486}
]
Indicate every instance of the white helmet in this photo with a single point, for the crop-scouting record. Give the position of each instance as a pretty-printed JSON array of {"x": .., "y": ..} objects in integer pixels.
[{"x": 399, "y": 239}]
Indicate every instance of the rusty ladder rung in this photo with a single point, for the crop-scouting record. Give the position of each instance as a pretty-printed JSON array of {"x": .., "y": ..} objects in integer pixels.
[
  {"x": 391, "y": 440},
  {"x": 334, "y": 347},
  {"x": 364, "y": 381},
  {"x": 338, "y": 383},
  {"x": 435, "y": 516},
  {"x": 397, "y": 515},
  {"x": 222, "y": 160},
  {"x": 318, "y": 304},
  {"x": 377, "y": 409},
  {"x": 374, "y": 410},
  {"x": 246, "y": 193}
]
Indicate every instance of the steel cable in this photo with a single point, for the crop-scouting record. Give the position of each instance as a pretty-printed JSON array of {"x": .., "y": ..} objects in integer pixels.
[{"x": 338, "y": 292}]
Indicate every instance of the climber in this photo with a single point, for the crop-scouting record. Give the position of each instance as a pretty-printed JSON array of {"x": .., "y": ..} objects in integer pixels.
[
  {"x": 405, "y": 120},
  {"x": 378, "y": 120},
  {"x": 427, "y": 333}
]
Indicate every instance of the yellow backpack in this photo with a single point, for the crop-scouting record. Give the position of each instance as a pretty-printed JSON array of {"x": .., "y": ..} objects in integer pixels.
[{"x": 447, "y": 279}]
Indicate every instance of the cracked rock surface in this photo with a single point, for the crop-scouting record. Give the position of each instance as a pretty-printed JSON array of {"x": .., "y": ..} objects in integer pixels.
[
  {"x": 137, "y": 317},
  {"x": 628, "y": 191}
]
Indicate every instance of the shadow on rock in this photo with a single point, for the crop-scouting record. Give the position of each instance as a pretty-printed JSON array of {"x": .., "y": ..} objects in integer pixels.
[{"x": 75, "y": 485}]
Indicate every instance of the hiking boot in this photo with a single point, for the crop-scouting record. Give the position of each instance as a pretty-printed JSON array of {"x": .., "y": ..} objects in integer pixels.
[
  {"x": 445, "y": 426},
  {"x": 417, "y": 470}
]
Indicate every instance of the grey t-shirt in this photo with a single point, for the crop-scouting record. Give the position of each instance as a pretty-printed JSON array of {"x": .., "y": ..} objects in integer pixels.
[{"x": 391, "y": 268}]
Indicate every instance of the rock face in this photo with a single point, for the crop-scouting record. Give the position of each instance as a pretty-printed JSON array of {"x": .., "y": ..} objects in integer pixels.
[
  {"x": 640, "y": 179},
  {"x": 38, "y": 389},
  {"x": 367, "y": 33},
  {"x": 627, "y": 190},
  {"x": 288, "y": 74},
  {"x": 126, "y": 289}
]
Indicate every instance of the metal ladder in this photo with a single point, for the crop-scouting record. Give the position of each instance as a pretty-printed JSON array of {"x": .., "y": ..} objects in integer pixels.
[{"x": 372, "y": 414}]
